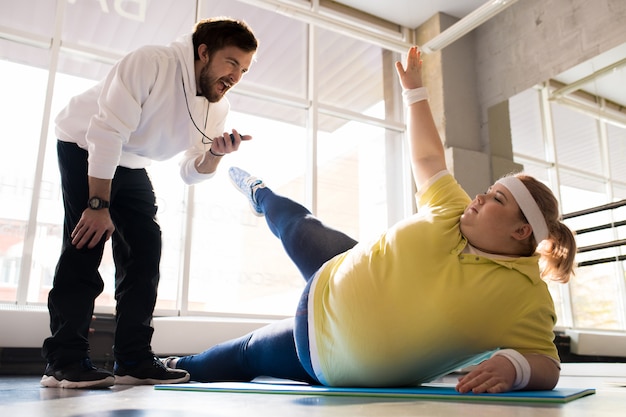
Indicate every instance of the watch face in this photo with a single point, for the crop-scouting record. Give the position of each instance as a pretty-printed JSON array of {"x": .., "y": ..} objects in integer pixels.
[{"x": 96, "y": 203}]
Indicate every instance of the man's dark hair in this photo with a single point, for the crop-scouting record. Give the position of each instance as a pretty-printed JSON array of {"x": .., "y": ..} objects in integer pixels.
[{"x": 219, "y": 32}]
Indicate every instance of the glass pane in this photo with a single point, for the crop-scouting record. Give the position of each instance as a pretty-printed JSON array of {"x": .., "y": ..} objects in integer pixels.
[
  {"x": 526, "y": 128},
  {"x": 172, "y": 213},
  {"x": 578, "y": 193},
  {"x": 350, "y": 73},
  {"x": 352, "y": 189},
  {"x": 32, "y": 16},
  {"x": 281, "y": 60},
  {"x": 237, "y": 265},
  {"x": 595, "y": 297},
  {"x": 24, "y": 54},
  {"x": 122, "y": 26},
  {"x": 23, "y": 94},
  {"x": 556, "y": 289},
  {"x": 617, "y": 152},
  {"x": 50, "y": 213},
  {"x": 540, "y": 172},
  {"x": 79, "y": 67},
  {"x": 576, "y": 137},
  {"x": 594, "y": 290},
  {"x": 619, "y": 192}
]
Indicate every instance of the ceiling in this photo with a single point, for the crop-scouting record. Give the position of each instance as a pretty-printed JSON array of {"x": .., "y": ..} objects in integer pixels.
[{"x": 412, "y": 13}]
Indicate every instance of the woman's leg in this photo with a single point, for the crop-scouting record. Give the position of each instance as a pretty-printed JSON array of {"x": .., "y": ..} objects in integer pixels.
[
  {"x": 269, "y": 351},
  {"x": 308, "y": 242}
]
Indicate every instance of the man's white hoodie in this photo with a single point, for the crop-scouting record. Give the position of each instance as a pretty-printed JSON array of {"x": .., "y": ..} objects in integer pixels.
[{"x": 139, "y": 113}]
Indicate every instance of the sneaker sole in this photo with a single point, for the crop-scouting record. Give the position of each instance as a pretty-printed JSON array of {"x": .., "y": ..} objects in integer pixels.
[
  {"x": 131, "y": 380},
  {"x": 252, "y": 209},
  {"x": 52, "y": 382}
]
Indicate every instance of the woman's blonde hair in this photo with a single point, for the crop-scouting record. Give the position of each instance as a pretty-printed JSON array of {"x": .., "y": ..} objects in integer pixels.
[{"x": 559, "y": 249}]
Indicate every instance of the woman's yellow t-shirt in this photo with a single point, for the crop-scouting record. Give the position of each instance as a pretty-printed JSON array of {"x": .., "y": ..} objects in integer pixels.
[{"x": 411, "y": 305}]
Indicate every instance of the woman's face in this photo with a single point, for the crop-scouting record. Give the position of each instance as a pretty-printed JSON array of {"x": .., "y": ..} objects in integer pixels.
[{"x": 492, "y": 222}]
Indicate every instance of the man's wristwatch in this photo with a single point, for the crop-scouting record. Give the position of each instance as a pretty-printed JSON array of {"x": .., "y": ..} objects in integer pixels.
[{"x": 96, "y": 203}]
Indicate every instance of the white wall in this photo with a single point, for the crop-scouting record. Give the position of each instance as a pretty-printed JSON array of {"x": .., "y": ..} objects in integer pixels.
[{"x": 27, "y": 328}]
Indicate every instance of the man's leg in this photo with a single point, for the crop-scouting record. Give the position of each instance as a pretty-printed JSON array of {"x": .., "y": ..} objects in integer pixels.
[
  {"x": 137, "y": 254},
  {"x": 76, "y": 285}
]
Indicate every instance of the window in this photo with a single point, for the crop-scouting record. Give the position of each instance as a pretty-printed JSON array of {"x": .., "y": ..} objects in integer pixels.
[
  {"x": 236, "y": 264},
  {"x": 218, "y": 258},
  {"x": 571, "y": 158},
  {"x": 23, "y": 99}
]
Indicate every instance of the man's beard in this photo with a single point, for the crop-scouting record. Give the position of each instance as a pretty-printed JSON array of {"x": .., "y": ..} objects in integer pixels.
[{"x": 210, "y": 86}]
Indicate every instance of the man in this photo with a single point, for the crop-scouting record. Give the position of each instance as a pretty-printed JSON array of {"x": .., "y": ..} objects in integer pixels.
[{"x": 157, "y": 102}]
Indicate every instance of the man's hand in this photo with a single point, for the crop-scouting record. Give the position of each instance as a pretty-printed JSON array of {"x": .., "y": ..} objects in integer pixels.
[
  {"x": 220, "y": 146},
  {"x": 92, "y": 227},
  {"x": 228, "y": 142}
]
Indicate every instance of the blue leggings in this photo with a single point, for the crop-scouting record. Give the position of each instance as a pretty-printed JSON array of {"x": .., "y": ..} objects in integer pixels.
[{"x": 280, "y": 349}]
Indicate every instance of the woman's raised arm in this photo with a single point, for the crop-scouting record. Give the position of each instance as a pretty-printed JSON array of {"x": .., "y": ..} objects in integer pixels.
[{"x": 427, "y": 153}]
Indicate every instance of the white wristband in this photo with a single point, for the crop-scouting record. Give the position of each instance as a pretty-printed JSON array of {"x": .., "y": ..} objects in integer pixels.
[
  {"x": 521, "y": 365},
  {"x": 414, "y": 95}
]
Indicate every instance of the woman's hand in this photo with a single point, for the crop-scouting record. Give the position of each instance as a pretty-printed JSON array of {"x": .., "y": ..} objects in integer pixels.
[
  {"x": 425, "y": 146},
  {"x": 494, "y": 375},
  {"x": 411, "y": 77}
]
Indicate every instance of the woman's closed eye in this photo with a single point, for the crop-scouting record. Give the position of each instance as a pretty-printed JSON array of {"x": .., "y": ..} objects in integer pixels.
[{"x": 497, "y": 196}]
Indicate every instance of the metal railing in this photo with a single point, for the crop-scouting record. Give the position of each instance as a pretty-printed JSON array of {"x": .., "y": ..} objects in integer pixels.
[{"x": 602, "y": 245}]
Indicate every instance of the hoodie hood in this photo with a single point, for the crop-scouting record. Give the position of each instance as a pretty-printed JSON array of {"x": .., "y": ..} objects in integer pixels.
[{"x": 183, "y": 47}]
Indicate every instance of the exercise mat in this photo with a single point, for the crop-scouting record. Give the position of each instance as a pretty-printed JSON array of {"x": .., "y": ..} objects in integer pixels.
[{"x": 441, "y": 392}]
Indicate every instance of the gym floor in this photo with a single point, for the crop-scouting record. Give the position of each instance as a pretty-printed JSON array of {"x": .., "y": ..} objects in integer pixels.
[{"x": 23, "y": 396}]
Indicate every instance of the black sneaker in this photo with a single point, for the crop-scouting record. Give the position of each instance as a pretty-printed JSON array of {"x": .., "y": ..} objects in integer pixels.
[
  {"x": 149, "y": 372},
  {"x": 81, "y": 374}
]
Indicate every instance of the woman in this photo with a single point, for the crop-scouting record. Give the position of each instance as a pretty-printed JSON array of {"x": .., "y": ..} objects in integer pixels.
[{"x": 439, "y": 289}]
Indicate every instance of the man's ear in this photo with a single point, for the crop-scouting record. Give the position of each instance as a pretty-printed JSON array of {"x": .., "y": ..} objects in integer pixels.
[
  {"x": 523, "y": 232},
  {"x": 203, "y": 53}
]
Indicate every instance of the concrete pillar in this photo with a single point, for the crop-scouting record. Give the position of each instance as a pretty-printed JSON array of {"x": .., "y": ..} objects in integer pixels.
[
  {"x": 450, "y": 76},
  {"x": 501, "y": 141}
]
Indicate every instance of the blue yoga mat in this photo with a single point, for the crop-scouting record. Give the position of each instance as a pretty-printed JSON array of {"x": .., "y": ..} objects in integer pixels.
[{"x": 425, "y": 392}]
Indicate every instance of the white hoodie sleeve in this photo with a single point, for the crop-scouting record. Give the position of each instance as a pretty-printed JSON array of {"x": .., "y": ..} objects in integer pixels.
[
  {"x": 216, "y": 123},
  {"x": 123, "y": 92}
]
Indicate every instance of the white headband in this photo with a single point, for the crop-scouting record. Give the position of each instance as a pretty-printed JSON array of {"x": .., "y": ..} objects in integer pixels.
[{"x": 528, "y": 205}]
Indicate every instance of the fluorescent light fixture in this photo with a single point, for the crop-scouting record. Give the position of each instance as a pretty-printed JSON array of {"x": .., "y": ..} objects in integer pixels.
[
  {"x": 305, "y": 13},
  {"x": 570, "y": 88},
  {"x": 565, "y": 96},
  {"x": 395, "y": 42},
  {"x": 466, "y": 25},
  {"x": 607, "y": 115}
]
